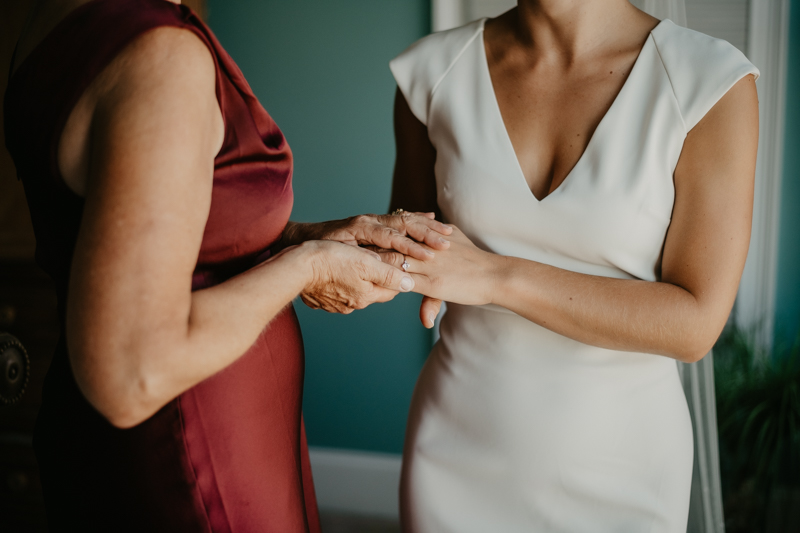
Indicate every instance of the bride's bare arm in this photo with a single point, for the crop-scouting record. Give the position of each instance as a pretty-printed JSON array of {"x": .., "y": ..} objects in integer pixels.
[
  {"x": 706, "y": 245},
  {"x": 414, "y": 183},
  {"x": 137, "y": 335}
]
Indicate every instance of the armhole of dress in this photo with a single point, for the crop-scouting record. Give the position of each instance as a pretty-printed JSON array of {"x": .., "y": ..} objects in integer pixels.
[
  {"x": 724, "y": 88},
  {"x": 708, "y": 101},
  {"x": 61, "y": 122},
  {"x": 217, "y": 69}
]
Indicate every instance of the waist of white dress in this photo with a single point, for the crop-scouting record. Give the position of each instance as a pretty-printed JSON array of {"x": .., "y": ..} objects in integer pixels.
[{"x": 491, "y": 332}]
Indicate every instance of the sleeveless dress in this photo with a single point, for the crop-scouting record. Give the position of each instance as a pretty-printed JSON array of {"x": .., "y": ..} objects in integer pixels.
[
  {"x": 513, "y": 427},
  {"x": 230, "y": 454}
]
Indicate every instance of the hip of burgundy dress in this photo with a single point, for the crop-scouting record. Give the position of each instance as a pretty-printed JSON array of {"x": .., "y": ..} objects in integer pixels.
[{"x": 229, "y": 454}]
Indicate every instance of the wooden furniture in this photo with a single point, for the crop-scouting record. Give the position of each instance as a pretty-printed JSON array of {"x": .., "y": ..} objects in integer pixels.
[{"x": 28, "y": 312}]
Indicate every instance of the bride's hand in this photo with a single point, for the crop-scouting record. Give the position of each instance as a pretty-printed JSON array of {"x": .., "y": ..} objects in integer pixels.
[
  {"x": 402, "y": 232},
  {"x": 462, "y": 274}
]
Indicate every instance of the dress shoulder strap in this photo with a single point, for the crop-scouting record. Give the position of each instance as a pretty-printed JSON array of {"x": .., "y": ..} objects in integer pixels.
[
  {"x": 420, "y": 68},
  {"x": 701, "y": 69}
]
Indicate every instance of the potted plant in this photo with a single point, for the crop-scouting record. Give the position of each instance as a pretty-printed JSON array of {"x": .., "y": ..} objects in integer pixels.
[{"x": 758, "y": 412}]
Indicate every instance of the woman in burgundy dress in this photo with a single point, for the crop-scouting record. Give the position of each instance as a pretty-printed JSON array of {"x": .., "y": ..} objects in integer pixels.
[{"x": 158, "y": 186}]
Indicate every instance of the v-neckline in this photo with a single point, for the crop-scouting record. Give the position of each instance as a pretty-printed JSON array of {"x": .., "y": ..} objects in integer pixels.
[{"x": 502, "y": 122}]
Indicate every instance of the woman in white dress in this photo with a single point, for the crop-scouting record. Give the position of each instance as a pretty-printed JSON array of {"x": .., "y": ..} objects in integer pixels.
[{"x": 598, "y": 165}]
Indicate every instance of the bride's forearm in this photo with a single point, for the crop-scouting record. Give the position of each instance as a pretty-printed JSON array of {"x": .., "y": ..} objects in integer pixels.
[{"x": 631, "y": 315}]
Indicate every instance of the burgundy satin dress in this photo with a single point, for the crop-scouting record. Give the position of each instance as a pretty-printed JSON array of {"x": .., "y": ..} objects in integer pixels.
[{"x": 230, "y": 454}]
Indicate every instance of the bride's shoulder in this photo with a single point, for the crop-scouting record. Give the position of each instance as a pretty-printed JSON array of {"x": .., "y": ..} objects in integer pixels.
[
  {"x": 422, "y": 65},
  {"x": 701, "y": 68},
  {"x": 441, "y": 47}
]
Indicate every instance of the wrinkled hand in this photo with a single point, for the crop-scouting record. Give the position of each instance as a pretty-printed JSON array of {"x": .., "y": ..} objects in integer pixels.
[
  {"x": 461, "y": 274},
  {"x": 346, "y": 278},
  {"x": 403, "y": 233}
]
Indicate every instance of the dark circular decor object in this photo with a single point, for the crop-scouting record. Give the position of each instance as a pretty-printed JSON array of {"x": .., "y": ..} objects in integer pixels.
[{"x": 15, "y": 369}]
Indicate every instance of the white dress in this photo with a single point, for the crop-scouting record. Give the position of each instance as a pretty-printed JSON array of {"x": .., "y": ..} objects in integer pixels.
[{"x": 514, "y": 428}]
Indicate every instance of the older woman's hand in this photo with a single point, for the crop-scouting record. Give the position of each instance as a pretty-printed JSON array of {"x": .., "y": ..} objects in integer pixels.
[
  {"x": 346, "y": 278},
  {"x": 401, "y": 232}
]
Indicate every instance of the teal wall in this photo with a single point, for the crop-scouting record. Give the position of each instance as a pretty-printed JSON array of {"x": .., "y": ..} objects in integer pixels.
[
  {"x": 320, "y": 67},
  {"x": 788, "y": 293}
]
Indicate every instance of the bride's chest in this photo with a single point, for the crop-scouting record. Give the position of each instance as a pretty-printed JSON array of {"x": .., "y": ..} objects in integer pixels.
[
  {"x": 611, "y": 212},
  {"x": 550, "y": 112}
]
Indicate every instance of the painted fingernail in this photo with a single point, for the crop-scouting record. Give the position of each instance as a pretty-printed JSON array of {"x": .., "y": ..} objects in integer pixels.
[
  {"x": 406, "y": 284},
  {"x": 431, "y": 318}
]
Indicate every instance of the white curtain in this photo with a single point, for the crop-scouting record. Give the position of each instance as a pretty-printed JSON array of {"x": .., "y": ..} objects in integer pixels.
[{"x": 705, "y": 508}]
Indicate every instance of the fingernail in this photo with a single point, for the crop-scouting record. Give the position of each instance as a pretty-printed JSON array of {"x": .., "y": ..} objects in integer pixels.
[
  {"x": 431, "y": 319},
  {"x": 406, "y": 284},
  {"x": 443, "y": 240},
  {"x": 429, "y": 253}
]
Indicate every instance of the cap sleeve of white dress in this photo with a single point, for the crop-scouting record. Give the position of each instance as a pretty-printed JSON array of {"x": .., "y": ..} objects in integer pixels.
[
  {"x": 425, "y": 63},
  {"x": 701, "y": 69}
]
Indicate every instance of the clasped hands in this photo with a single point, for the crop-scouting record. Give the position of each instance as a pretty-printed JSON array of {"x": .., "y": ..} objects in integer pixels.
[{"x": 358, "y": 261}]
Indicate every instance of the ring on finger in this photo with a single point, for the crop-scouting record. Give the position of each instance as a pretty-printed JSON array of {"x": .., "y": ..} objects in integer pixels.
[{"x": 405, "y": 265}]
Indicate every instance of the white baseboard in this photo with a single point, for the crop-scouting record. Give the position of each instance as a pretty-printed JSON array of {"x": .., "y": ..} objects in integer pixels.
[{"x": 357, "y": 482}]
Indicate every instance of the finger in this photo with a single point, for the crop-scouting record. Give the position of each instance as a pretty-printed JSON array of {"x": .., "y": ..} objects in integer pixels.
[
  {"x": 389, "y": 277},
  {"x": 310, "y": 302},
  {"x": 406, "y": 223},
  {"x": 431, "y": 222},
  {"x": 393, "y": 258},
  {"x": 422, "y": 284},
  {"x": 416, "y": 250},
  {"x": 372, "y": 253},
  {"x": 429, "y": 310},
  {"x": 390, "y": 238},
  {"x": 382, "y": 295},
  {"x": 431, "y": 232}
]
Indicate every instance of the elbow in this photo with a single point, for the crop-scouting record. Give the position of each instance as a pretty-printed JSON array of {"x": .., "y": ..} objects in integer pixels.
[
  {"x": 124, "y": 399},
  {"x": 125, "y": 412},
  {"x": 695, "y": 347},
  {"x": 691, "y": 355}
]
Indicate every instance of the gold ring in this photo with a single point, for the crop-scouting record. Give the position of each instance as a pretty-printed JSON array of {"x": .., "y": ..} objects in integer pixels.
[{"x": 398, "y": 212}]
